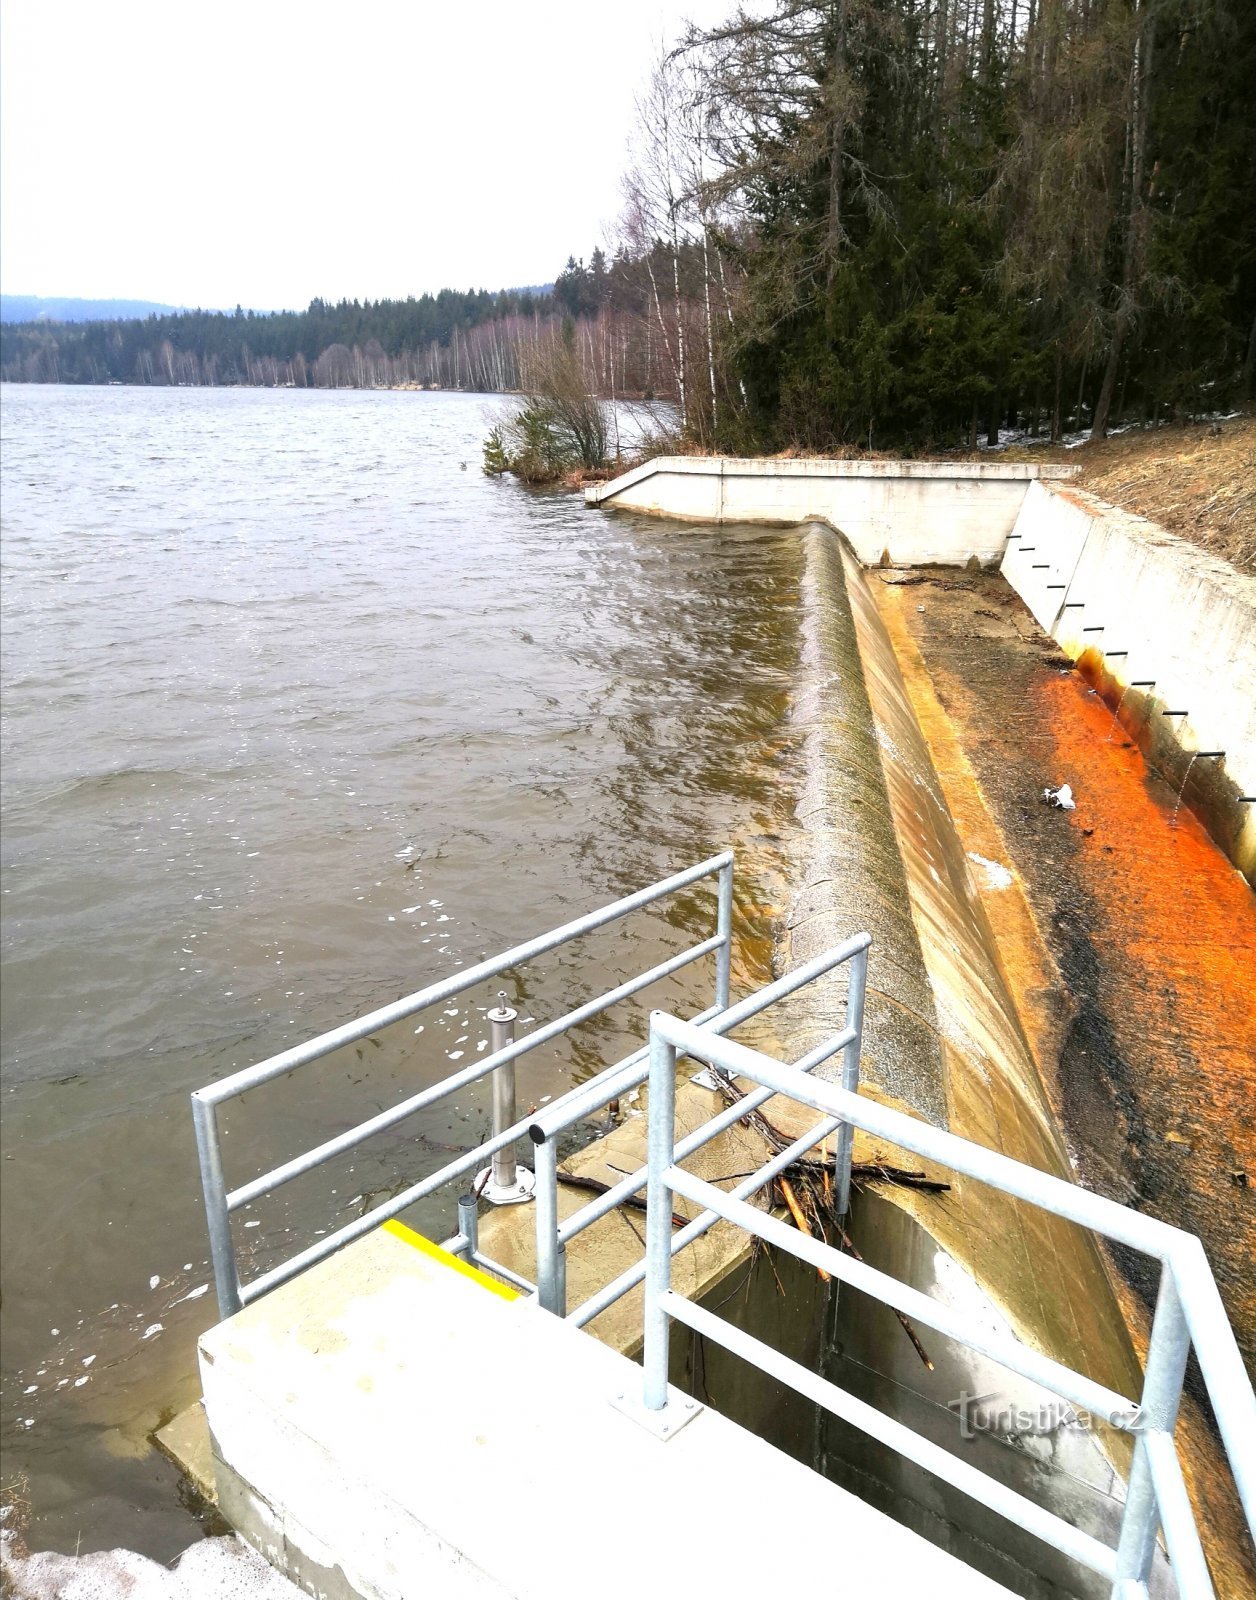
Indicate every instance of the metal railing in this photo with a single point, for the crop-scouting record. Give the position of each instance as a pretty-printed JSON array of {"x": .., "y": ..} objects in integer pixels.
[
  {"x": 554, "y": 1235},
  {"x": 1188, "y": 1313},
  {"x": 616, "y": 1080}
]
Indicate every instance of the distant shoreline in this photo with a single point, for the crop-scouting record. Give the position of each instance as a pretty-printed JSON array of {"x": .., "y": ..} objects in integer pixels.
[{"x": 632, "y": 399}]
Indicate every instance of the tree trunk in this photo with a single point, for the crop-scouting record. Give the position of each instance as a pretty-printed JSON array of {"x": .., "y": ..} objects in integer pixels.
[
  {"x": 992, "y": 421},
  {"x": 987, "y": 42},
  {"x": 1099, "y": 422},
  {"x": 680, "y": 326},
  {"x": 837, "y": 143},
  {"x": 710, "y": 331},
  {"x": 1140, "y": 71}
]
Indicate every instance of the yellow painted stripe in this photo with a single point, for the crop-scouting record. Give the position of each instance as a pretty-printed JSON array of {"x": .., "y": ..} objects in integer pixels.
[{"x": 418, "y": 1242}]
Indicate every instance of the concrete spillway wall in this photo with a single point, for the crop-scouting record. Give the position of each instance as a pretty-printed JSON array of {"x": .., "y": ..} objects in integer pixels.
[
  {"x": 942, "y": 1037},
  {"x": 1167, "y": 632},
  {"x": 900, "y": 511}
]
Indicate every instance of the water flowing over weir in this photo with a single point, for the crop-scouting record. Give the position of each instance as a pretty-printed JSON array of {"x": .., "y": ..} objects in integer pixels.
[
  {"x": 944, "y": 1039},
  {"x": 423, "y": 722}
]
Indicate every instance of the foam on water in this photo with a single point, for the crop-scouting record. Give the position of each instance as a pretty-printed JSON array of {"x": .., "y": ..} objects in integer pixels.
[{"x": 213, "y": 1569}]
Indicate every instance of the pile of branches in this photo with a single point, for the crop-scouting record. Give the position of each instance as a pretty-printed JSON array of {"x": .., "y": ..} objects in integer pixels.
[{"x": 804, "y": 1188}]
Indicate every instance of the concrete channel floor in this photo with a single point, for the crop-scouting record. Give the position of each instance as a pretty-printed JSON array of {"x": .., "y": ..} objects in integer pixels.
[{"x": 393, "y": 1423}]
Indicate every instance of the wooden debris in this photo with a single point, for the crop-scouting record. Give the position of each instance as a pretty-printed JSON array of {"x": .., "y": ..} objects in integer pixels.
[
  {"x": 815, "y": 1179},
  {"x": 800, "y": 1220},
  {"x": 580, "y": 1180}
]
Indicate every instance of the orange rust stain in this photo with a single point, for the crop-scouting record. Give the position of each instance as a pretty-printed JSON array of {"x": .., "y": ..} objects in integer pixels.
[
  {"x": 1176, "y": 908},
  {"x": 1178, "y": 923}
]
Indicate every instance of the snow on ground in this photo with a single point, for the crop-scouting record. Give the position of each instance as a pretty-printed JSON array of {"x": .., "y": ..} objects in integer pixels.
[{"x": 1015, "y": 438}]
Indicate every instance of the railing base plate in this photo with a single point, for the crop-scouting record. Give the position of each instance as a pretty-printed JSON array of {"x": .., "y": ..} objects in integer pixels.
[
  {"x": 513, "y": 1194},
  {"x": 665, "y": 1424}
]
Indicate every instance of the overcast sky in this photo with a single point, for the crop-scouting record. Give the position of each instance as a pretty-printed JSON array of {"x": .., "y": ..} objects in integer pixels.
[{"x": 263, "y": 152}]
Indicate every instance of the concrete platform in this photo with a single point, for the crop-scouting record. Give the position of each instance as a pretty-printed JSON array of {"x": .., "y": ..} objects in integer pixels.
[
  {"x": 395, "y": 1424},
  {"x": 185, "y": 1440}
]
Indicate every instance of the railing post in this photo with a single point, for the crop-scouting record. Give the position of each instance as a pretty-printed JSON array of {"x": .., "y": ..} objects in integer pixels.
[
  {"x": 469, "y": 1224},
  {"x": 502, "y": 1023},
  {"x": 661, "y": 1145},
  {"x": 213, "y": 1184},
  {"x": 1167, "y": 1351},
  {"x": 724, "y": 930},
  {"x": 505, "y": 1183},
  {"x": 551, "y": 1276},
  {"x": 850, "y": 1075}
]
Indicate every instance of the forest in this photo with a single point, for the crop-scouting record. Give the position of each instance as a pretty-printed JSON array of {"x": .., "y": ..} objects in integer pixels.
[{"x": 903, "y": 224}]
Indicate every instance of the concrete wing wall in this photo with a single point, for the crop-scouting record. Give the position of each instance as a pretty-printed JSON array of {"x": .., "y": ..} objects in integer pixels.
[
  {"x": 1162, "y": 628},
  {"x": 913, "y": 512}
]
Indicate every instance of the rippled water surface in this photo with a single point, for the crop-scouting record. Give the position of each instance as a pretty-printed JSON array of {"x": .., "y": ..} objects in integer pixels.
[{"x": 299, "y": 714}]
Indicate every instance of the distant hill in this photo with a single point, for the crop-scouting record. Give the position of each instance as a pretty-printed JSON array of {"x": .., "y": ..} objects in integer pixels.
[
  {"x": 38, "y": 308},
  {"x": 457, "y": 339},
  {"x": 35, "y": 308}
]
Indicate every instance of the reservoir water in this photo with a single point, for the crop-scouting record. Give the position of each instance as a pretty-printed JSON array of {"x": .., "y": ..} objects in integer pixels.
[{"x": 300, "y": 713}]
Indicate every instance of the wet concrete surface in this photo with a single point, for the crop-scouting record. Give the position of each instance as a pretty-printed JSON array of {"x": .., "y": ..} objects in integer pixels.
[
  {"x": 1127, "y": 938},
  {"x": 1151, "y": 928}
]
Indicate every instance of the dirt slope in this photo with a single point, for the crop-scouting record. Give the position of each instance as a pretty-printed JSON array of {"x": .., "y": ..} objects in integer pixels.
[{"x": 1199, "y": 481}]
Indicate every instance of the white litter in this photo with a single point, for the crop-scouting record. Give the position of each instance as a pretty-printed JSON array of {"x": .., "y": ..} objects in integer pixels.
[{"x": 1061, "y": 798}]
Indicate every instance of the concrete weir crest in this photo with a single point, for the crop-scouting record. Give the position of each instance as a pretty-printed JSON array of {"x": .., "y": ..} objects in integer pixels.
[
  {"x": 942, "y": 1038},
  {"x": 1165, "y": 631}
]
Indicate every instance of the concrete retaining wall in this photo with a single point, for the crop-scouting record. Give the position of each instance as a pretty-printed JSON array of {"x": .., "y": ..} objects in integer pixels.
[
  {"x": 1162, "y": 628},
  {"x": 914, "y": 512}
]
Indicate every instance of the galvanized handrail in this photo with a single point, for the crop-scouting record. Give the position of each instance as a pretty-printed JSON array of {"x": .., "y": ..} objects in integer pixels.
[
  {"x": 553, "y": 1235},
  {"x": 1188, "y": 1311},
  {"x": 221, "y": 1202}
]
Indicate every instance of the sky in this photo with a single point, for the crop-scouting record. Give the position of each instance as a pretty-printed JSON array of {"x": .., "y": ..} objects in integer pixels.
[{"x": 217, "y": 152}]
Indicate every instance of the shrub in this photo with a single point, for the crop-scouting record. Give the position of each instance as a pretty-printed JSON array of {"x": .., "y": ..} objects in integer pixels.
[{"x": 559, "y": 427}]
